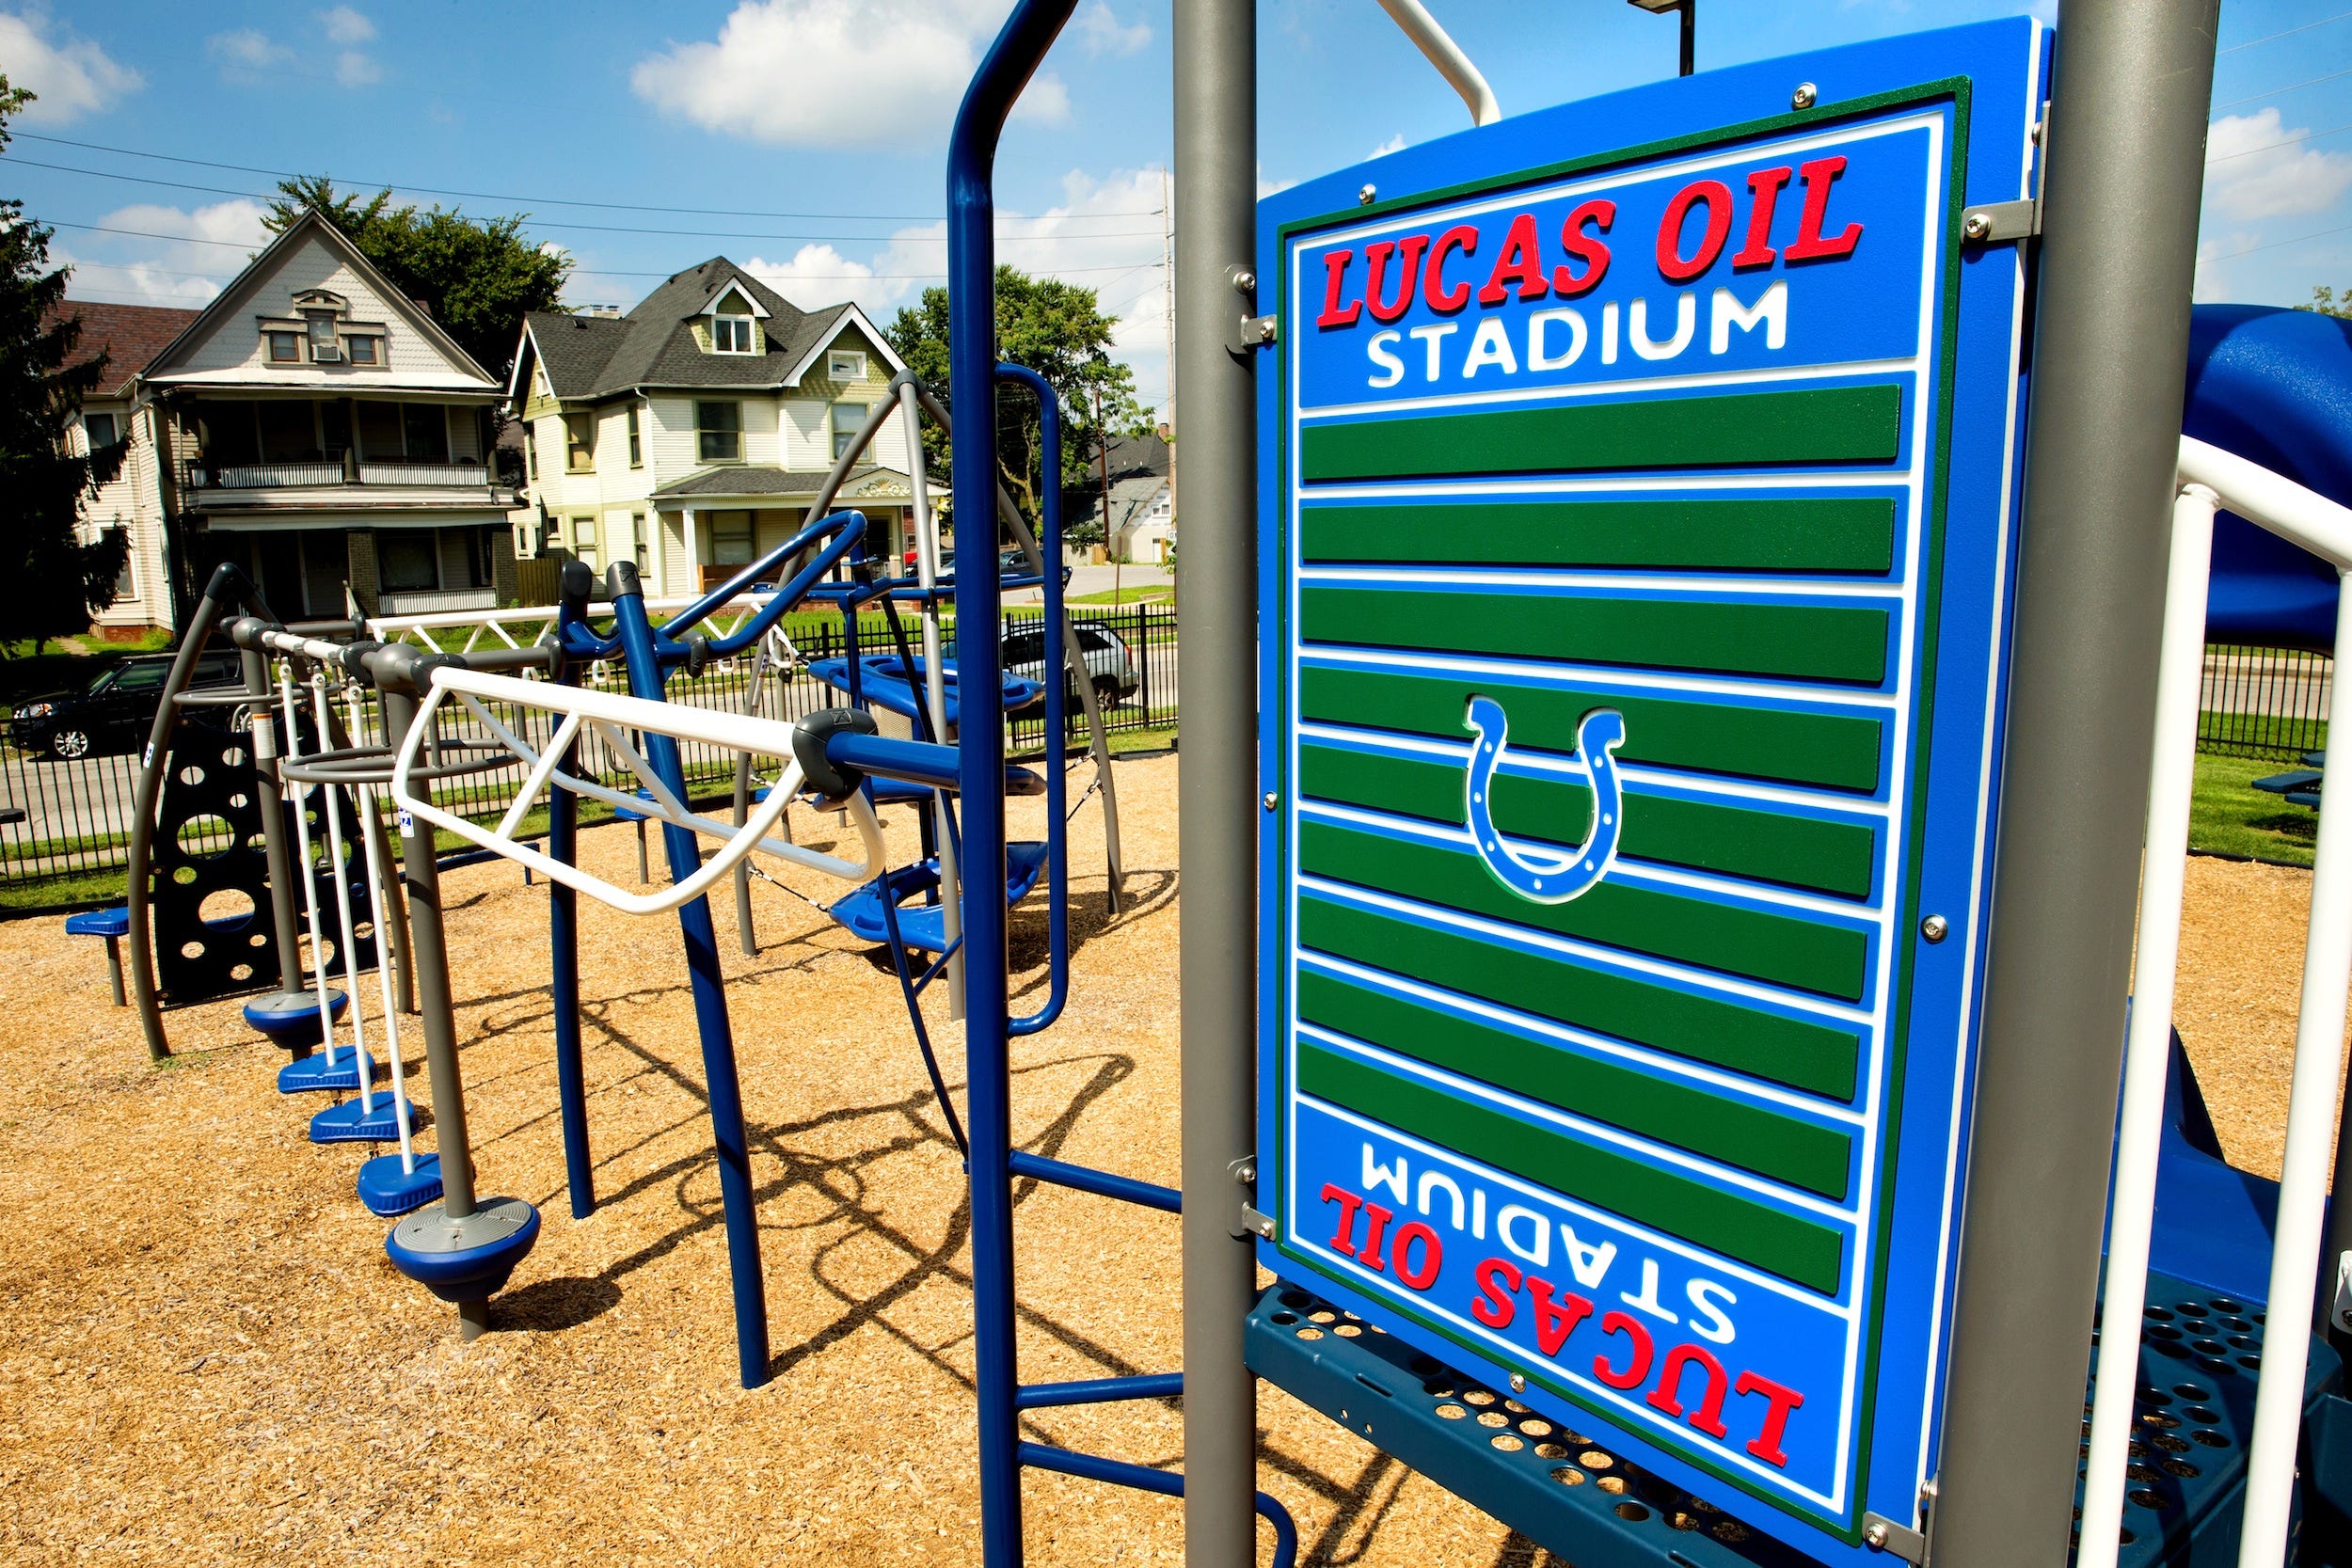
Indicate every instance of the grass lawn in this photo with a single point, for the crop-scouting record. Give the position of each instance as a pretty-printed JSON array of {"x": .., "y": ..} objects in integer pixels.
[
  {"x": 1152, "y": 594},
  {"x": 2228, "y": 817}
]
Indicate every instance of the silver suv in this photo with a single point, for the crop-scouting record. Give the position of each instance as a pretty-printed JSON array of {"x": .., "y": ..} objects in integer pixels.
[{"x": 1110, "y": 666}]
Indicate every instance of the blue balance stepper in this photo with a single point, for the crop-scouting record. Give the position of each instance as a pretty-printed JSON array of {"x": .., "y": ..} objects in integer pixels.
[
  {"x": 100, "y": 923},
  {"x": 352, "y": 1123},
  {"x": 315, "y": 1074},
  {"x": 391, "y": 1191},
  {"x": 464, "y": 1259},
  {"x": 923, "y": 926},
  {"x": 290, "y": 1018}
]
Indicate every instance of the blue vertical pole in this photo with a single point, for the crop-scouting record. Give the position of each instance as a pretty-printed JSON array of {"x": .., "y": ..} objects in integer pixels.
[
  {"x": 710, "y": 999},
  {"x": 980, "y": 745},
  {"x": 571, "y": 1088}
]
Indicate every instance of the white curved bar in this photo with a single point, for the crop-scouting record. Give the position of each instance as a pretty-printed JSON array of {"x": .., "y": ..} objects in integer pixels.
[
  {"x": 613, "y": 713},
  {"x": 2300, "y": 516},
  {"x": 2147, "y": 1052},
  {"x": 1455, "y": 66}
]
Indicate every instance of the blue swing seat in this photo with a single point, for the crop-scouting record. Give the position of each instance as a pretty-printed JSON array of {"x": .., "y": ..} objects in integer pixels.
[
  {"x": 290, "y": 1018},
  {"x": 350, "y": 1123},
  {"x": 923, "y": 926},
  {"x": 391, "y": 1191},
  {"x": 313, "y": 1075},
  {"x": 886, "y": 681}
]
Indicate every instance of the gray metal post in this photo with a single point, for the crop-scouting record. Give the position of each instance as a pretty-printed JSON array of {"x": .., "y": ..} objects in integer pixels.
[
  {"x": 2123, "y": 179},
  {"x": 255, "y": 668},
  {"x": 422, "y": 874},
  {"x": 1217, "y": 144}
]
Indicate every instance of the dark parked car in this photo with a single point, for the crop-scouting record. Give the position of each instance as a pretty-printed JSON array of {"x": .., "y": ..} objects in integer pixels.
[{"x": 114, "y": 712}]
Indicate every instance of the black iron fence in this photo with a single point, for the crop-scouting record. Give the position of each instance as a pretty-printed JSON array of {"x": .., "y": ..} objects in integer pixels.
[
  {"x": 77, "y": 812},
  {"x": 2264, "y": 703}
]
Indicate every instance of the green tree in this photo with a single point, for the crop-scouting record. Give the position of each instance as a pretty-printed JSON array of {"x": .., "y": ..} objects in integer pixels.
[
  {"x": 479, "y": 276},
  {"x": 51, "y": 583},
  {"x": 2326, "y": 301},
  {"x": 1057, "y": 330}
]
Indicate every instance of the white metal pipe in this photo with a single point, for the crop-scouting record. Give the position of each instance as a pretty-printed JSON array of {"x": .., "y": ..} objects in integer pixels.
[
  {"x": 1455, "y": 66},
  {"x": 347, "y": 941},
  {"x": 309, "y": 871},
  {"x": 2300, "y": 516},
  {"x": 368, "y": 823},
  {"x": 2139, "y": 1139},
  {"x": 935, "y": 690},
  {"x": 2297, "y": 1236},
  {"x": 612, "y": 712}
]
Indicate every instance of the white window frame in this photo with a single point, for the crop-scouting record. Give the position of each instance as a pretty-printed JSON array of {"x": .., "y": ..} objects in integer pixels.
[
  {"x": 833, "y": 423},
  {"x": 845, "y": 364},
  {"x": 720, "y": 320},
  {"x": 113, "y": 420}
]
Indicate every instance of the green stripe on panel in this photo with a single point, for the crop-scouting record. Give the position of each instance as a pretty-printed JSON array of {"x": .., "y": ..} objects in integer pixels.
[
  {"x": 1801, "y": 1153},
  {"x": 1822, "y": 424},
  {"x": 1782, "y": 1244},
  {"x": 1735, "y": 841},
  {"x": 1780, "y": 949},
  {"x": 1824, "y": 533},
  {"x": 1841, "y": 642},
  {"x": 1828, "y": 750},
  {"x": 1818, "y": 1058}
]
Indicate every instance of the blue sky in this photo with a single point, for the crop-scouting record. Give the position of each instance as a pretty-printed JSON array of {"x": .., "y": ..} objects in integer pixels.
[{"x": 807, "y": 133}]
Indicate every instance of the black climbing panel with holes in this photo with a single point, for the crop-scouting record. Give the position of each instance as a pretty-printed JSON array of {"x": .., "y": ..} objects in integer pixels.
[
  {"x": 1576, "y": 1494},
  {"x": 210, "y": 894}
]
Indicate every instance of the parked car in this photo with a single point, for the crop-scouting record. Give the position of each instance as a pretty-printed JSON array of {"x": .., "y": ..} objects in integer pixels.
[
  {"x": 115, "y": 711},
  {"x": 1109, "y": 664}
]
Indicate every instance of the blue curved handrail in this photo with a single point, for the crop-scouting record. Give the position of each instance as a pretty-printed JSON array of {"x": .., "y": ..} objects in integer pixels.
[
  {"x": 1056, "y": 700},
  {"x": 579, "y": 640},
  {"x": 1549, "y": 879},
  {"x": 1012, "y": 59}
]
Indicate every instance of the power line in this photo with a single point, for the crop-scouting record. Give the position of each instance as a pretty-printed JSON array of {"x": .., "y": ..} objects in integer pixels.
[
  {"x": 2309, "y": 136},
  {"x": 599, "y": 271},
  {"x": 547, "y": 200},
  {"x": 2289, "y": 33},
  {"x": 2280, "y": 92},
  {"x": 2274, "y": 244},
  {"x": 600, "y": 228}
]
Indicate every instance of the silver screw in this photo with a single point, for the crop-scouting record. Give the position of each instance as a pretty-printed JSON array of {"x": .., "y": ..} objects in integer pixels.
[
  {"x": 1272, "y": 799},
  {"x": 1245, "y": 280},
  {"x": 1805, "y": 95},
  {"x": 1876, "y": 1536},
  {"x": 1364, "y": 196},
  {"x": 1935, "y": 928},
  {"x": 1518, "y": 1384},
  {"x": 1977, "y": 227}
]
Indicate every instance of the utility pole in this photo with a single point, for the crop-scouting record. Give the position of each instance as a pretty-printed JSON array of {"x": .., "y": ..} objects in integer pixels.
[{"x": 1103, "y": 461}]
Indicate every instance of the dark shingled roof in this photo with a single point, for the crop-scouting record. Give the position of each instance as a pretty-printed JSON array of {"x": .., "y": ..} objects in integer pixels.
[
  {"x": 590, "y": 356},
  {"x": 1134, "y": 456},
  {"x": 754, "y": 480},
  {"x": 129, "y": 335}
]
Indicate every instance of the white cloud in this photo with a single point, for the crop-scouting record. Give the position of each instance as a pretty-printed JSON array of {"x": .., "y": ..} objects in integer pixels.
[
  {"x": 195, "y": 252},
  {"x": 2249, "y": 176},
  {"x": 1105, "y": 34},
  {"x": 356, "y": 70},
  {"x": 836, "y": 73},
  {"x": 345, "y": 26},
  {"x": 1394, "y": 144},
  {"x": 69, "y": 77},
  {"x": 247, "y": 50}
]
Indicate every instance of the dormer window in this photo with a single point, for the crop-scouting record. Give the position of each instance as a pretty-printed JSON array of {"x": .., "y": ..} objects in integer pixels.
[
  {"x": 731, "y": 334},
  {"x": 285, "y": 348},
  {"x": 326, "y": 348},
  {"x": 362, "y": 350}
]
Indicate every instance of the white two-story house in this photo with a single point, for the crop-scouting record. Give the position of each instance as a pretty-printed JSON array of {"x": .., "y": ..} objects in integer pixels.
[
  {"x": 692, "y": 433},
  {"x": 131, "y": 503},
  {"x": 316, "y": 427}
]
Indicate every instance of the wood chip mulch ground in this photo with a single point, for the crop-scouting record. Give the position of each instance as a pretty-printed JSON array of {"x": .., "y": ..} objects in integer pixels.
[{"x": 204, "y": 1357}]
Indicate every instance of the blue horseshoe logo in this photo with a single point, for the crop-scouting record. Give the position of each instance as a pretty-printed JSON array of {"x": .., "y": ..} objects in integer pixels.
[{"x": 1549, "y": 880}]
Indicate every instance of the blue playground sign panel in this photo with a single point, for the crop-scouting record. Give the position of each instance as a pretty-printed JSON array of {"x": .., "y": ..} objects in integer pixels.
[{"x": 1640, "y": 484}]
